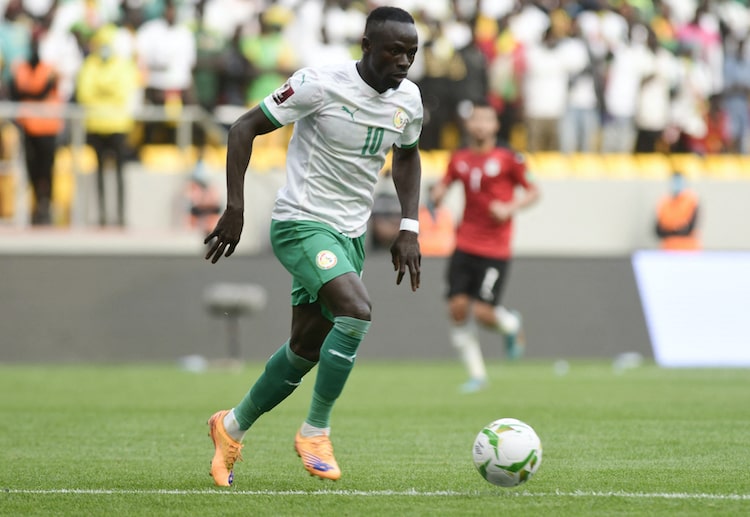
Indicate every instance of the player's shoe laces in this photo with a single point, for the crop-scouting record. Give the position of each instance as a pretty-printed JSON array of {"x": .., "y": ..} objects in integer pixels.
[
  {"x": 227, "y": 450},
  {"x": 515, "y": 342},
  {"x": 317, "y": 456}
]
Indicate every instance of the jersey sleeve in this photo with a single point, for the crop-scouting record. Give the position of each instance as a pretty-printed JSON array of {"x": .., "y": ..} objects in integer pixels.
[
  {"x": 410, "y": 136},
  {"x": 298, "y": 97},
  {"x": 521, "y": 173}
]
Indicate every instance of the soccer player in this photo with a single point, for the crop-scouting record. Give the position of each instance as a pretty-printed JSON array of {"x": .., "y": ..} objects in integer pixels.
[
  {"x": 478, "y": 268},
  {"x": 346, "y": 119}
]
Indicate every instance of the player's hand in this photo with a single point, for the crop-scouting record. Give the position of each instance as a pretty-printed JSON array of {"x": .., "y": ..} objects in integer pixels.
[
  {"x": 500, "y": 211},
  {"x": 226, "y": 235},
  {"x": 405, "y": 254}
]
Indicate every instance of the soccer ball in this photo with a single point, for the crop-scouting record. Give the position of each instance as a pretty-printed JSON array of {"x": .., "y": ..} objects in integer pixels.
[{"x": 507, "y": 452}]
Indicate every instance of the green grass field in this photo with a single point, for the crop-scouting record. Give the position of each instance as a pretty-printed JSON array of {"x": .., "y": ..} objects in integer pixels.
[{"x": 132, "y": 440}]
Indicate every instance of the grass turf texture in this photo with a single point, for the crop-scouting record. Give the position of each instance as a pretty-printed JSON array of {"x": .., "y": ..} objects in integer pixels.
[{"x": 132, "y": 440}]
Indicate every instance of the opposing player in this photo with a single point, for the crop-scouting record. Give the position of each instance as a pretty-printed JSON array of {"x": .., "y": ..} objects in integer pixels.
[
  {"x": 347, "y": 118},
  {"x": 479, "y": 265}
]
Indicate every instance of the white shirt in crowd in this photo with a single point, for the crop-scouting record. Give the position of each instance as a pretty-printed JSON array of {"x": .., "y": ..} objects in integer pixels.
[{"x": 168, "y": 54}]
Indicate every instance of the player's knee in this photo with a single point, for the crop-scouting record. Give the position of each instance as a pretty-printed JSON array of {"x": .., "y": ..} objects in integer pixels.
[
  {"x": 484, "y": 314},
  {"x": 360, "y": 309}
]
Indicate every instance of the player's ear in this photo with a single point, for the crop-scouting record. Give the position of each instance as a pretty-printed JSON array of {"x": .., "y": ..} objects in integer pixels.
[{"x": 365, "y": 44}]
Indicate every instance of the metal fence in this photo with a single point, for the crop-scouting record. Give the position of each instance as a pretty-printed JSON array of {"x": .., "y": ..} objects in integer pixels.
[{"x": 74, "y": 136}]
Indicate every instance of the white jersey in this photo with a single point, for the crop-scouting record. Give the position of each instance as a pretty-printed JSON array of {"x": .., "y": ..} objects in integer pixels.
[{"x": 343, "y": 131}]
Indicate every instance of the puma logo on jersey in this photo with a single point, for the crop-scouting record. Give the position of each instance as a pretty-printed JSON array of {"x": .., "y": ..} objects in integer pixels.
[{"x": 350, "y": 112}]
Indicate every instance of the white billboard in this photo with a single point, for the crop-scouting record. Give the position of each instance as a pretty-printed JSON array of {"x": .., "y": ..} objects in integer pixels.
[{"x": 696, "y": 306}]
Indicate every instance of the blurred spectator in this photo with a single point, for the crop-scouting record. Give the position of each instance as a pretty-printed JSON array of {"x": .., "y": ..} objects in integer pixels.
[
  {"x": 506, "y": 55},
  {"x": 203, "y": 201},
  {"x": 224, "y": 17},
  {"x": 443, "y": 68},
  {"x": 653, "y": 112},
  {"x": 580, "y": 124},
  {"x": 15, "y": 41},
  {"x": 35, "y": 82},
  {"x": 677, "y": 217},
  {"x": 167, "y": 52},
  {"x": 690, "y": 102},
  {"x": 234, "y": 76},
  {"x": 545, "y": 92},
  {"x": 107, "y": 84},
  {"x": 342, "y": 22},
  {"x": 718, "y": 137},
  {"x": 736, "y": 95},
  {"x": 271, "y": 56},
  {"x": 702, "y": 37},
  {"x": 621, "y": 92},
  {"x": 661, "y": 24},
  {"x": 63, "y": 47},
  {"x": 473, "y": 88},
  {"x": 209, "y": 45}
]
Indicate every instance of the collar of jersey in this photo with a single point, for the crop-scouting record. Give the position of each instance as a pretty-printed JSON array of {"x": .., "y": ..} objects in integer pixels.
[{"x": 364, "y": 87}]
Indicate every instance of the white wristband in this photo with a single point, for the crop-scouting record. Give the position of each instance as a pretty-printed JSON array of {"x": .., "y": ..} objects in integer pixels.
[{"x": 410, "y": 225}]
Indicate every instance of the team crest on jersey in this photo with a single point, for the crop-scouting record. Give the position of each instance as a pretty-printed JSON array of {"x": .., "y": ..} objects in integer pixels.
[
  {"x": 492, "y": 168},
  {"x": 400, "y": 119},
  {"x": 282, "y": 93},
  {"x": 326, "y": 259}
]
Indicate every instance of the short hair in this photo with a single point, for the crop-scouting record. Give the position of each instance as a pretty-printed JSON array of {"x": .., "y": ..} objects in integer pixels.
[{"x": 380, "y": 15}]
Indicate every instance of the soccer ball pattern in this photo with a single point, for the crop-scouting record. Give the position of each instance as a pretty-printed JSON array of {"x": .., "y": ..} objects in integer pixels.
[{"x": 507, "y": 452}]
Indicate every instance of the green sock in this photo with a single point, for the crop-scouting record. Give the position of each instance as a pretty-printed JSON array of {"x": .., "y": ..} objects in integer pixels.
[
  {"x": 336, "y": 361},
  {"x": 283, "y": 373}
]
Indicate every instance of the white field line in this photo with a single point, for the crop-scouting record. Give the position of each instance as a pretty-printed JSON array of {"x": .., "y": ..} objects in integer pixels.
[{"x": 384, "y": 493}]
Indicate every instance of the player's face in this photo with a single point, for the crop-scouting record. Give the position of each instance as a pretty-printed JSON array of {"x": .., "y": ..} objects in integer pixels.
[
  {"x": 388, "y": 54},
  {"x": 482, "y": 125}
]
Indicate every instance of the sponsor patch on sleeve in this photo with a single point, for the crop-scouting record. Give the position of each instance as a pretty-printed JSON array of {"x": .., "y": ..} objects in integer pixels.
[{"x": 282, "y": 93}]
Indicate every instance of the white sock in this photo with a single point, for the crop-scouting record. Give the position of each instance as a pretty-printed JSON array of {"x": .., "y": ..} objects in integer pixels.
[
  {"x": 309, "y": 431},
  {"x": 466, "y": 341},
  {"x": 232, "y": 427},
  {"x": 507, "y": 321}
]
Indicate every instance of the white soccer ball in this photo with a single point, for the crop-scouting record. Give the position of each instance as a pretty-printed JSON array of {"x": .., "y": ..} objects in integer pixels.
[{"x": 507, "y": 452}]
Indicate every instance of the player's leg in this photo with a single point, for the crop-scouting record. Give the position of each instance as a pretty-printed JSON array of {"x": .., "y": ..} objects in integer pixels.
[
  {"x": 328, "y": 266},
  {"x": 464, "y": 337},
  {"x": 489, "y": 312},
  {"x": 282, "y": 374},
  {"x": 349, "y": 302}
]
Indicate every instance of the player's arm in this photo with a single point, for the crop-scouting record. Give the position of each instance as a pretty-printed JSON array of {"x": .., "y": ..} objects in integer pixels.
[
  {"x": 438, "y": 191},
  {"x": 241, "y": 136},
  {"x": 407, "y": 173},
  {"x": 502, "y": 211}
]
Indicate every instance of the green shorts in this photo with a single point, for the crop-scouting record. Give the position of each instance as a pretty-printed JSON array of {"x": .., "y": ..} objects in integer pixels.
[{"x": 314, "y": 253}]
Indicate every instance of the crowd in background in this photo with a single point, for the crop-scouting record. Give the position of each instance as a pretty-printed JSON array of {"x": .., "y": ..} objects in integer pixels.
[{"x": 567, "y": 75}]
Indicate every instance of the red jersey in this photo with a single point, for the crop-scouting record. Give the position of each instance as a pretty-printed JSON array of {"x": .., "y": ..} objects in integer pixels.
[{"x": 486, "y": 177}]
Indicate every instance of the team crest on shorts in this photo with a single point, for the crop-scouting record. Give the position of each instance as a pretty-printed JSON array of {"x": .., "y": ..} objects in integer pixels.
[{"x": 326, "y": 259}]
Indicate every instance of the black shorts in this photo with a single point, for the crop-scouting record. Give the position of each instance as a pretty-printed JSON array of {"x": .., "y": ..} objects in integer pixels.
[{"x": 478, "y": 277}]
